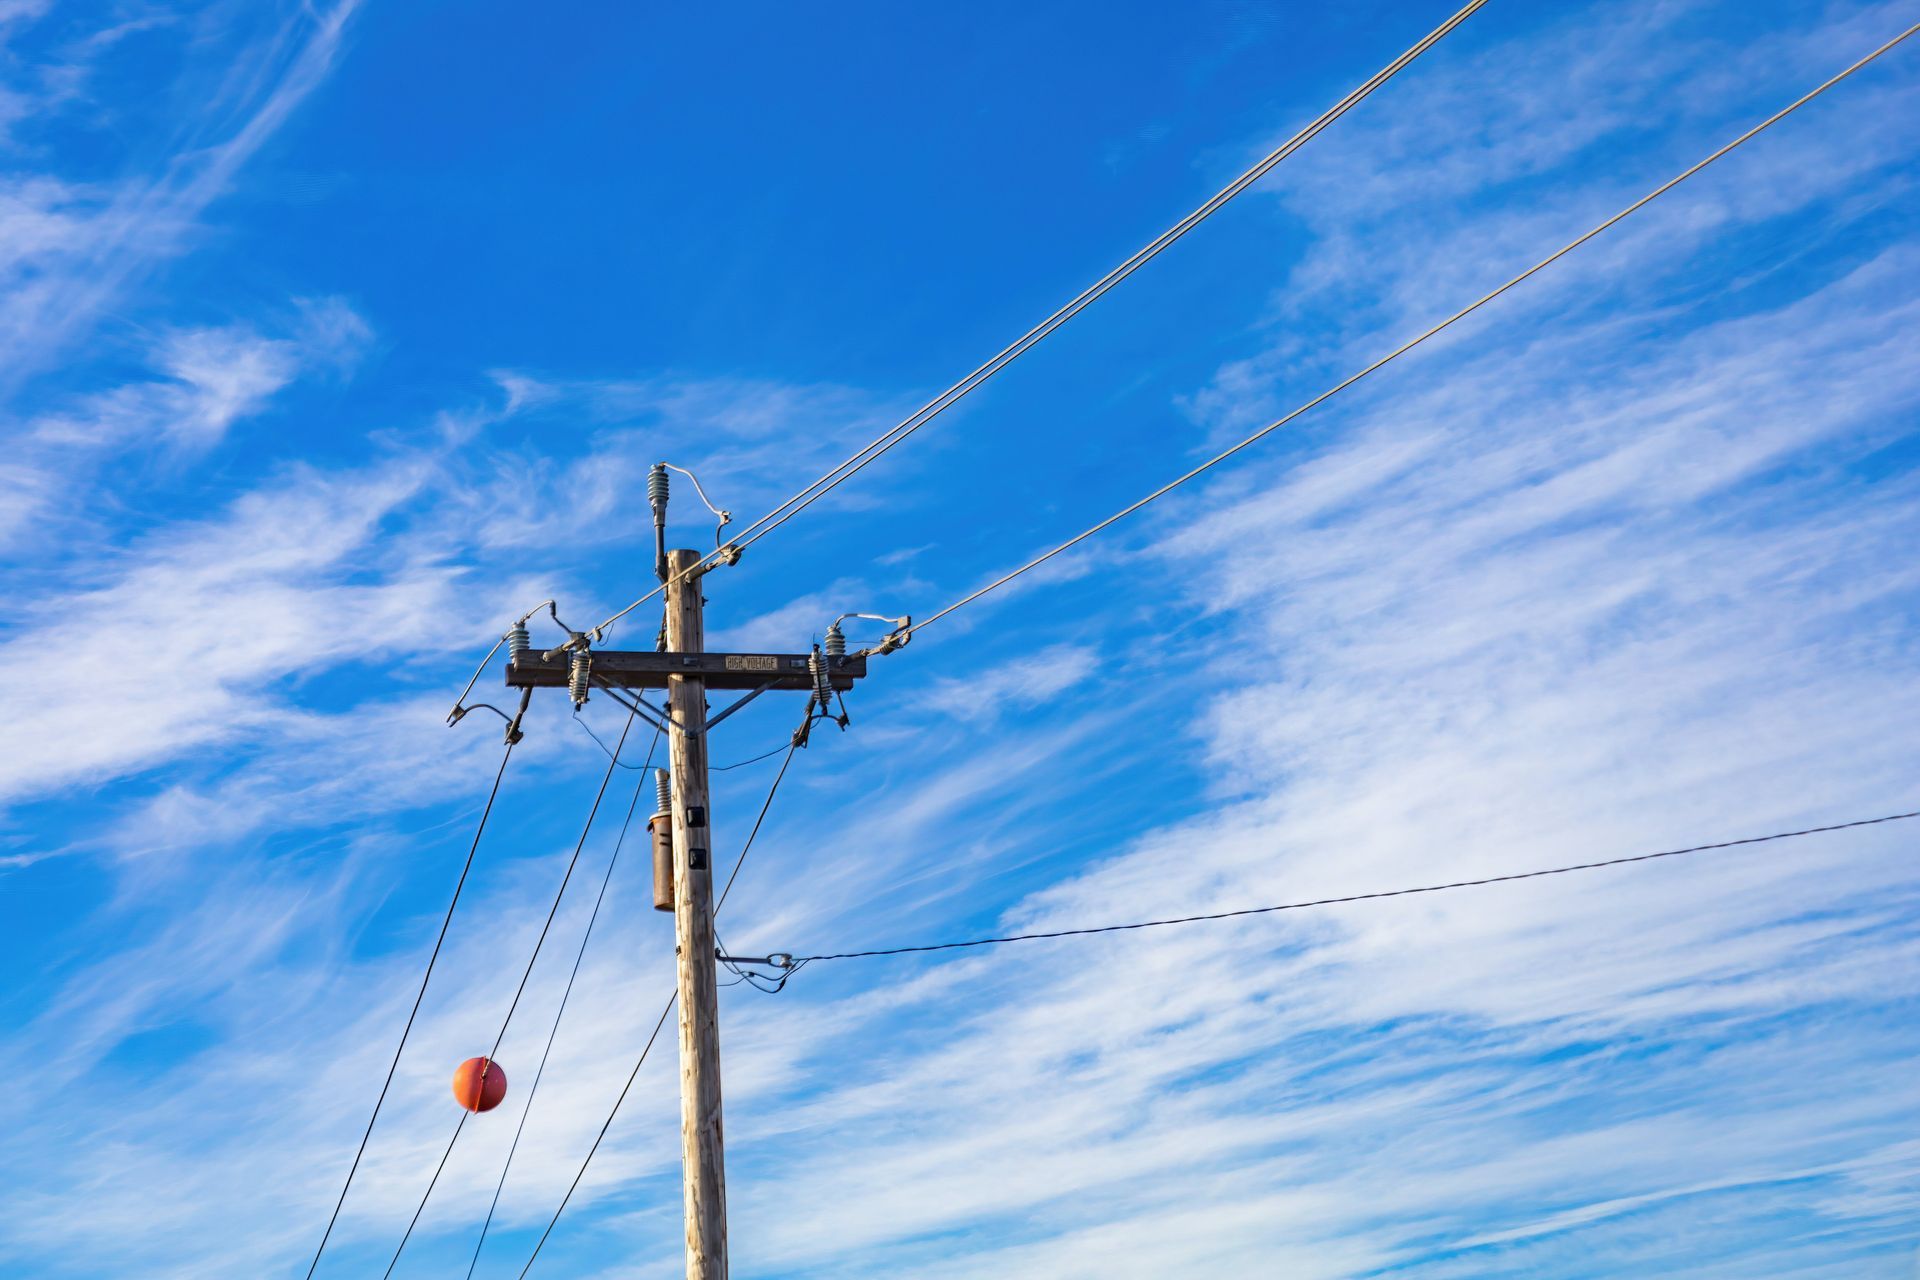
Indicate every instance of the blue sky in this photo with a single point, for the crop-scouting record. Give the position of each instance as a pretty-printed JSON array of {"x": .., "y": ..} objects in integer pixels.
[{"x": 336, "y": 335}]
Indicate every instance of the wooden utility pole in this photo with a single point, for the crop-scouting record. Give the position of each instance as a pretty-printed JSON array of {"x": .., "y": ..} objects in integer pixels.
[
  {"x": 687, "y": 671},
  {"x": 701, "y": 1137}
]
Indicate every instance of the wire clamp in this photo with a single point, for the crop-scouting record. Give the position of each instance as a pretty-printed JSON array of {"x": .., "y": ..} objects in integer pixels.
[
  {"x": 514, "y": 733},
  {"x": 896, "y": 638},
  {"x": 777, "y": 960},
  {"x": 902, "y": 631},
  {"x": 746, "y": 969}
]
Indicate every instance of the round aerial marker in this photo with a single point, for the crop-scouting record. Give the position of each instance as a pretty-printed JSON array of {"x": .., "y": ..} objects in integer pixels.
[{"x": 479, "y": 1084}]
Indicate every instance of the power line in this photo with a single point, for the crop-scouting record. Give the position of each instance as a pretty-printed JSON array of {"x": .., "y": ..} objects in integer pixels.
[
  {"x": 433, "y": 1182},
  {"x": 1354, "y": 897},
  {"x": 559, "y": 1013},
  {"x": 1100, "y": 287},
  {"x": 1328, "y": 394},
  {"x": 747, "y": 970},
  {"x": 493, "y": 1054},
  {"x": 540, "y": 1244},
  {"x": 885, "y": 441},
  {"x": 420, "y": 995},
  {"x": 761, "y": 817},
  {"x": 609, "y": 754},
  {"x": 733, "y": 875},
  {"x": 741, "y": 764}
]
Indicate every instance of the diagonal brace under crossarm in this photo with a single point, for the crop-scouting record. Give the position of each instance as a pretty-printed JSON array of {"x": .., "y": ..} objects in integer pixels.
[
  {"x": 741, "y": 703},
  {"x": 660, "y": 718}
]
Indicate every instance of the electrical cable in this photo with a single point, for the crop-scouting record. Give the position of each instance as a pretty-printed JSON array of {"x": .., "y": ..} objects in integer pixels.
[
  {"x": 474, "y": 679},
  {"x": 759, "y": 818},
  {"x": 420, "y": 995},
  {"x": 760, "y": 982},
  {"x": 460, "y": 702},
  {"x": 603, "y": 746},
  {"x": 1140, "y": 258},
  {"x": 575, "y": 1184},
  {"x": 738, "y": 862},
  {"x": 1354, "y": 897},
  {"x": 433, "y": 1182},
  {"x": 888, "y": 439},
  {"x": 578, "y": 956},
  {"x": 525, "y": 974},
  {"x": 908, "y": 632},
  {"x": 741, "y": 764},
  {"x": 724, "y": 518}
]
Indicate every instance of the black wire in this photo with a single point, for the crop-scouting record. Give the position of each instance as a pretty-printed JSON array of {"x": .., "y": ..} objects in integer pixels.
[
  {"x": 492, "y": 1055},
  {"x": 741, "y": 764},
  {"x": 792, "y": 746},
  {"x": 561, "y": 1011},
  {"x": 603, "y": 746},
  {"x": 1359, "y": 897},
  {"x": 414, "y": 1012},
  {"x": 761, "y": 982},
  {"x": 762, "y": 817},
  {"x": 575, "y": 1185},
  {"x": 432, "y": 1183},
  {"x": 799, "y": 739},
  {"x": 800, "y": 961}
]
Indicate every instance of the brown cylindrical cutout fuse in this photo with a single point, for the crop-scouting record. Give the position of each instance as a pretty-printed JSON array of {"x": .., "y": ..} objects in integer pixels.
[{"x": 660, "y": 826}]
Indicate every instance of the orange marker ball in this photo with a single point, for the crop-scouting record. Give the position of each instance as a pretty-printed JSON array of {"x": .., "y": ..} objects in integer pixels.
[{"x": 479, "y": 1084}]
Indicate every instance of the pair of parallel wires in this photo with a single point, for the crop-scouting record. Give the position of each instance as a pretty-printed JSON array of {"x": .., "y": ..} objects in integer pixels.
[{"x": 886, "y": 440}]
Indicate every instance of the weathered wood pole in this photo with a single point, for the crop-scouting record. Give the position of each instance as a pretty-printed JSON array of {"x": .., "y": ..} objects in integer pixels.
[{"x": 701, "y": 1136}]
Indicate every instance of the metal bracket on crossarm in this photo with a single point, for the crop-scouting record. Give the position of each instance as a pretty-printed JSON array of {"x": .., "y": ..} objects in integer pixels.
[
  {"x": 758, "y": 690},
  {"x": 662, "y": 718},
  {"x": 659, "y": 717}
]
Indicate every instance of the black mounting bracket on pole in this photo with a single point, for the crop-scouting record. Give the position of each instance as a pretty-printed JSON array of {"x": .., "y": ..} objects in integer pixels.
[{"x": 778, "y": 960}]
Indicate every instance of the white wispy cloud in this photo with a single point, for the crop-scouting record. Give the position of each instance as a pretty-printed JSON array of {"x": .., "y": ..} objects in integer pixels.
[
  {"x": 69, "y": 249},
  {"x": 1028, "y": 681},
  {"x": 211, "y": 377}
]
